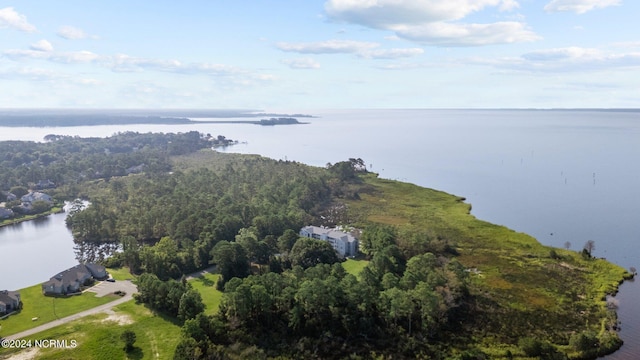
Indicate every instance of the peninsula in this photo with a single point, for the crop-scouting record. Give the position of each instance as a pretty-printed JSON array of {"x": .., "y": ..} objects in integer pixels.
[{"x": 431, "y": 278}]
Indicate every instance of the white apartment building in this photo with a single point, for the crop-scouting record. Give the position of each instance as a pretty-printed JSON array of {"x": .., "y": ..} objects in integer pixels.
[{"x": 345, "y": 244}]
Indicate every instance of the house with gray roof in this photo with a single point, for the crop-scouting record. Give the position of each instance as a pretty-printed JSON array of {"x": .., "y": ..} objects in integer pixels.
[
  {"x": 34, "y": 196},
  {"x": 9, "y": 196},
  {"x": 345, "y": 244},
  {"x": 72, "y": 280},
  {"x": 9, "y": 301},
  {"x": 5, "y": 213}
]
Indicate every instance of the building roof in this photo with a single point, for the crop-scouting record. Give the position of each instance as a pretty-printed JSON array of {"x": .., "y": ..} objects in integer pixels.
[
  {"x": 329, "y": 232},
  {"x": 71, "y": 276},
  {"x": 9, "y": 297},
  {"x": 36, "y": 196}
]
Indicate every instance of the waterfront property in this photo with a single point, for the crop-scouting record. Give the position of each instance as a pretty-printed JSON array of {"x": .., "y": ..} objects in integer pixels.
[
  {"x": 9, "y": 301},
  {"x": 71, "y": 280},
  {"x": 34, "y": 196},
  {"x": 344, "y": 244},
  {"x": 5, "y": 213}
]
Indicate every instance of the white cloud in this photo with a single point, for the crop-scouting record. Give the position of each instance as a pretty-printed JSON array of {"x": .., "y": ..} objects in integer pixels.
[
  {"x": 570, "y": 59},
  {"x": 42, "y": 45},
  {"x": 72, "y": 33},
  {"x": 432, "y": 22},
  {"x": 575, "y": 53},
  {"x": 384, "y": 13},
  {"x": 448, "y": 34},
  {"x": 9, "y": 18},
  {"x": 45, "y": 75},
  {"x": 359, "y": 48},
  {"x": 392, "y": 53},
  {"x": 327, "y": 47},
  {"x": 43, "y": 50},
  {"x": 301, "y": 63},
  {"x": 71, "y": 57},
  {"x": 579, "y": 6}
]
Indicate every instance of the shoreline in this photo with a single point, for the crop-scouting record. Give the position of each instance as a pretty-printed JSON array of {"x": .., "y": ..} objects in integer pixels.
[{"x": 54, "y": 210}]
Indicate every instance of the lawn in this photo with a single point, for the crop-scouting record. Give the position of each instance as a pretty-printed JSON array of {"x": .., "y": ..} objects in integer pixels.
[
  {"x": 120, "y": 273},
  {"x": 355, "y": 266},
  {"x": 98, "y": 336},
  {"x": 211, "y": 296},
  {"x": 46, "y": 309}
]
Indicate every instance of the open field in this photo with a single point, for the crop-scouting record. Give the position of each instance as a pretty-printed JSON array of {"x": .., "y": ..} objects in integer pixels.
[{"x": 98, "y": 336}]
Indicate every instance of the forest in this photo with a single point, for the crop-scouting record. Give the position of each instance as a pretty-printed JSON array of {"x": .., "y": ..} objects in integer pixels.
[{"x": 439, "y": 283}]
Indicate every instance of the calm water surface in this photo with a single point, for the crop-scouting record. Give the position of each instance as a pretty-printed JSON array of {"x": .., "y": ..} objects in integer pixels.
[{"x": 557, "y": 175}]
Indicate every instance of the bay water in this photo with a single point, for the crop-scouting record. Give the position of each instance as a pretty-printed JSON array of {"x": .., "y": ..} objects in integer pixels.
[{"x": 562, "y": 176}]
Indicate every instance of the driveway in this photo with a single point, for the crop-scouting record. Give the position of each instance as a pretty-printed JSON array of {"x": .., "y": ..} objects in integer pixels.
[{"x": 101, "y": 289}]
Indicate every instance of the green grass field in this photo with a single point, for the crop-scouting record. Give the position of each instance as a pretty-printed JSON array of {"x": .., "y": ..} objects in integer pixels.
[
  {"x": 46, "y": 309},
  {"x": 98, "y": 336},
  {"x": 355, "y": 266},
  {"x": 211, "y": 296},
  {"x": 121, "y": 273}
]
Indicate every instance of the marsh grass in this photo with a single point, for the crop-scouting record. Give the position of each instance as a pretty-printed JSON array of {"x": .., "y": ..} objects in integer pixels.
[{"x": 519, "y": 289}]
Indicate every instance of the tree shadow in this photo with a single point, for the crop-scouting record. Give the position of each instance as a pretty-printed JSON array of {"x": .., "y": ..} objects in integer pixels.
[
  {"x": 135, "y": 353},
  {"x": 206, "y": 281}
]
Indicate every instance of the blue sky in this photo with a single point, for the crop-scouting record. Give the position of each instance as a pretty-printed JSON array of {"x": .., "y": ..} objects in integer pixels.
[{"x": 287, "y": 55}]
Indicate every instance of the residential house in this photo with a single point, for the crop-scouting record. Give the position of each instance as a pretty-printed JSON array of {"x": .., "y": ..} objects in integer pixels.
[
  {"x": 344, "y": 244},
  {"x": 5, "y": 213},
  {"x": 34, "y": 196},
  {"x": 45, "y": 184},
  {"x": 9, "y": 301},
  {"x": 71, "y": 280},
  {"x": 9, "y": 196},
  {"x": 98, "y": 271}
]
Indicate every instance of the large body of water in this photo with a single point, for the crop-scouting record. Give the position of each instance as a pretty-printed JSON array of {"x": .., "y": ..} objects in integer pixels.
[{"x": 558, "y": 175}]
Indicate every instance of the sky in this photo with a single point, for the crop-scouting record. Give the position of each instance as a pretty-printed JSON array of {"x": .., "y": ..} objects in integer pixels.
[{"x": 281, "y": 55}]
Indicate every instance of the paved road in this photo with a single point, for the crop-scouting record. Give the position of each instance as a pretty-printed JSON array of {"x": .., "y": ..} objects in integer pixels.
[
  {"x": 201, "y": 273},
  {"x": 102, "y": 288}
]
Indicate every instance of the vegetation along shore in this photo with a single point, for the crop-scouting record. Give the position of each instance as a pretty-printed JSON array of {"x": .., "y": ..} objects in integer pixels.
[{"x": 431, "y": 281}]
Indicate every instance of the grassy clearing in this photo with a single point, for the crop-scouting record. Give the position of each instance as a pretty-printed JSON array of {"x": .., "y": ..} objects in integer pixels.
[
  {"x": 98, "y": 336},
  {"x": 211, "y": 296},
  {"x": 121, "y": 273},
  {"x": 46, "y": 309},
  {"x": 355, "y": 266}
]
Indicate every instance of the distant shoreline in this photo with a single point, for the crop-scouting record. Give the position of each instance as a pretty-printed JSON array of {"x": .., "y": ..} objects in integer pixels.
[{"x": 68, "y": 118}]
